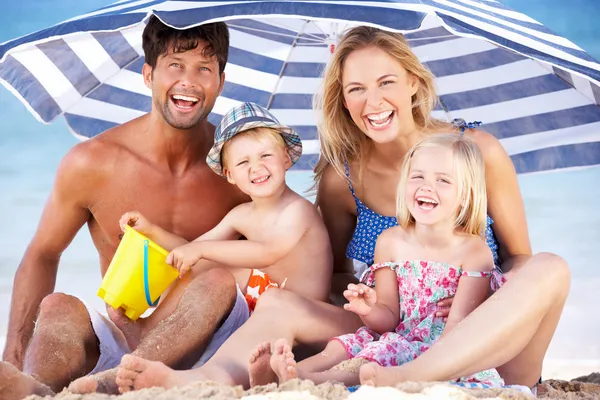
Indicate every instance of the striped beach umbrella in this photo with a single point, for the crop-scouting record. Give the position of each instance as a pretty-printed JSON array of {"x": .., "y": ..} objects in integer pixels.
[{"x": 536, "y": 91}]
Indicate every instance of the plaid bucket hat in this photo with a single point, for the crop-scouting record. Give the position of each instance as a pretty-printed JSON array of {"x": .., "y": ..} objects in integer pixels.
[{"x": 242, "y": 118}]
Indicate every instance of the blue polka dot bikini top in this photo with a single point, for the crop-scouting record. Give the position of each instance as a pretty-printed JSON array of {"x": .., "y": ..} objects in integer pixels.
[{"x": 370, "y": 225}]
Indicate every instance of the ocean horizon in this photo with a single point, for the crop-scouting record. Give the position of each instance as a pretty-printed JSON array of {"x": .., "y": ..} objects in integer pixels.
[{"x": 561, "y": 206}]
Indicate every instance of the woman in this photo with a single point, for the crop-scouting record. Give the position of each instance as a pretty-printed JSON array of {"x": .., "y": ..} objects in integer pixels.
[{"x": 376, "y": 104}]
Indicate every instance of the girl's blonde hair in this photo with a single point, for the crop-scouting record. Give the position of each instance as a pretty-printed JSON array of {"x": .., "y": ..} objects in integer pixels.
[
  {"x": 470, "y": 173},
  {"x": 339, "y": 136}
]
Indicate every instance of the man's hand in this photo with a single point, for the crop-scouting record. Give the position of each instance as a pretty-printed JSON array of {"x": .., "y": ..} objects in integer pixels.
[
  {"x": 361, "y": 299},
  {"x": 444, "y": 306},
  {"x": 185, "y": 257},
  {"x": 137, "y": 221}
]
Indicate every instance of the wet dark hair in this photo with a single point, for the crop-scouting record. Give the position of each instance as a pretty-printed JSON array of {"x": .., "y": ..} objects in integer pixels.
[{"x": 159, "y": 38}]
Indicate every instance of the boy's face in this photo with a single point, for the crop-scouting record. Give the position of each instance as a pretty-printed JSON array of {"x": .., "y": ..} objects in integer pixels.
[{"x": 257, "y": 165}]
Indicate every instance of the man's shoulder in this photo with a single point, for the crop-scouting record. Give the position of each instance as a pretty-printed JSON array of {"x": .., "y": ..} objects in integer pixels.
[{"x": 100, "y": 152}]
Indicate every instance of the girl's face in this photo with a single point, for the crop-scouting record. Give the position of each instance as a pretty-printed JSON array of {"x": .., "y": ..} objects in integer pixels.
[
  {"x": 432, "y": 186},
  {"x": 378, "y": 93}
]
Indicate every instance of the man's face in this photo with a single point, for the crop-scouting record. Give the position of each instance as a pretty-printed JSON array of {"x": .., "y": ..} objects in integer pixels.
[{"x": 184, "y": 86}]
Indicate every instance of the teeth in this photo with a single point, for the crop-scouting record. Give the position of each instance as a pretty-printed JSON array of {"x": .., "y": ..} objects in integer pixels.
[
  {"x": 260, "y": 180},
  {"x": 426, "y": 200},
  {"x": 381, "y": 116},
  {"x": 184, "y": 98}
]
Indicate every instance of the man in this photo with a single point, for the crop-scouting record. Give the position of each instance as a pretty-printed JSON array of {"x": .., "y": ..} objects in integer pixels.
[{"x": 154, "y": 164}]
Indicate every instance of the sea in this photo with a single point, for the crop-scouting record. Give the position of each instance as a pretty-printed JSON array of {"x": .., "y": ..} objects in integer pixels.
[{"x": 562, "y": 207}]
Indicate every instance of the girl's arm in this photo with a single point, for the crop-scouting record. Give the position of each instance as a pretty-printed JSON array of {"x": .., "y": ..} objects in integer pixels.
[
  {"x": 472, "y": 290},
  {"x": 336, "y": 204},
  {"x": 505, "y": 204},
  {"x": 385, "y": 313}
]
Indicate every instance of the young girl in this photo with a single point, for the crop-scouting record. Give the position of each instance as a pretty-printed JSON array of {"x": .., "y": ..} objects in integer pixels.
[{"x": 437, "y": 251}]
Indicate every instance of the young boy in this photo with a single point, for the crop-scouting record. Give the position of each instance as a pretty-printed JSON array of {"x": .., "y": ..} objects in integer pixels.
[{"x": 286, "y": 243}]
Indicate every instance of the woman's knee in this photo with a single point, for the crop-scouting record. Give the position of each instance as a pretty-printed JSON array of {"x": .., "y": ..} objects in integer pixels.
[
  {"x": 553, "y": 270},
  {"x": 279, "y": 300}
]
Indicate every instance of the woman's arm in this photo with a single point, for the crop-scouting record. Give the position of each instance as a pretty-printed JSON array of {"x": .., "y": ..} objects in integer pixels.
[
  {"x": 336, "y": 204},
  {"x": 471, "y": 291},
  {"x": 505, "y": 203}
]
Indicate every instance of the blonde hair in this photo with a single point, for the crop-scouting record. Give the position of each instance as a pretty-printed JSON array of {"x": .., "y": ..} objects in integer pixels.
[
  {"x": 340, "y": 138},
  {"x": 470, "y": 173},
  {"x": 254, "y": 133}
]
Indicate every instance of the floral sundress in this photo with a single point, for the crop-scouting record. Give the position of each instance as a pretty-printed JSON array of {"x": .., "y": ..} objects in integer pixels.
[{"x": 421, "y": 285}]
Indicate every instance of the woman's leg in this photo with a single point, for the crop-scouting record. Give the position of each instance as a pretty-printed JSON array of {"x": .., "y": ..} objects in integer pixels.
[
  {"x": 278, "y": 314},
  {"x": 510, "y": 331}
]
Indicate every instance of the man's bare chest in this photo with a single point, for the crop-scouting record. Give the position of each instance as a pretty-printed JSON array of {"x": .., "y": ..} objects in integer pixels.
[{"x": 185, "y": 207}]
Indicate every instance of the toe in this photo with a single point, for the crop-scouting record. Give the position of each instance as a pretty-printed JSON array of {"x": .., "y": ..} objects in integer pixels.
[{"x": 133, "y": 363}]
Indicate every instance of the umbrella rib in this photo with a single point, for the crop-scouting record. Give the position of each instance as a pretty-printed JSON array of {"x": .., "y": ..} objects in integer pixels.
[
  {"x": 285, "y": 63},
  {"x": 275, "y": 33}
]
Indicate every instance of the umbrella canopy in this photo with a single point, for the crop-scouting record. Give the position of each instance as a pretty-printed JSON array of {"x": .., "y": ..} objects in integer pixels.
[{"x": 536, "y": 91}]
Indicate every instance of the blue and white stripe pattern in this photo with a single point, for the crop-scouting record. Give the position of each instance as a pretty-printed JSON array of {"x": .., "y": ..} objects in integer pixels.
[{"x": 536, "y": 91}]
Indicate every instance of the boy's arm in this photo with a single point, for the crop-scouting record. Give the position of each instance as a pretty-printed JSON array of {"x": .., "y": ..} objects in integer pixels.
[
  {"x": 385, "y": 314},
  {"x": 288, "y": 231},
  {"x": 471, "y": 291},
  {"x": 225, "y": 230}
]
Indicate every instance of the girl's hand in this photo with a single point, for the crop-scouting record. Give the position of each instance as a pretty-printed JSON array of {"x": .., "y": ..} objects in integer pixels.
[
  {"x": 444, "y": 306},
  {"x": 137, "y": 221},
  {"x": 361, "y": 299},
  {"x": 184, "y": 257}
]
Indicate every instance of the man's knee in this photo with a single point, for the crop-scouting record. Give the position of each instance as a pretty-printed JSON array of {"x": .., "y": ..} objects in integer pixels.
[
  {"x": 62, "y": 306},
  {"x": 216, "y": 284}
]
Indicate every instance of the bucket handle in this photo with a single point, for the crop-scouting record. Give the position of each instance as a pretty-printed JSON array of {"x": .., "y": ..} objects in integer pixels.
[{"x": 146, "y": 283}]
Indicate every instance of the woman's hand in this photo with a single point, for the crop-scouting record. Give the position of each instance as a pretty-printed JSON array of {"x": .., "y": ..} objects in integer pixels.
[
  {"x": 361, "y": 299},
  {"x": 137, "y": 221},
  {"x": 185, "y": 257}
]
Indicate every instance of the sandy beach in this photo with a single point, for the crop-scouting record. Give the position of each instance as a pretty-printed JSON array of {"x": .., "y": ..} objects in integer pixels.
[{"x": 306, "y": 390}]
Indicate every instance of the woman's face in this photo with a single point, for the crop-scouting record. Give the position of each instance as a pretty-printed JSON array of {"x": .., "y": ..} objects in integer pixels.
[{"x": 377, "y": 93}]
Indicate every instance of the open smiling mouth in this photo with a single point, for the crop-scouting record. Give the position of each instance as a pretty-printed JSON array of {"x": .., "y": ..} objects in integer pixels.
[
  {"x": 381, "y": 120},
  {"x": 260, "y": 180},
  {"x": 184, "y": 102},
  {"x": 426, "y": 203}
]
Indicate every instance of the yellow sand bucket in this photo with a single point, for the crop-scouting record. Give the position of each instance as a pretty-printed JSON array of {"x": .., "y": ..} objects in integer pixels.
[{"x": 137, "y": 275}]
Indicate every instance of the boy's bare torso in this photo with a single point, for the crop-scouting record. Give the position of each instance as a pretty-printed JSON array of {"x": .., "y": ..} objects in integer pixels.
[{"x": 308, "y": 264}]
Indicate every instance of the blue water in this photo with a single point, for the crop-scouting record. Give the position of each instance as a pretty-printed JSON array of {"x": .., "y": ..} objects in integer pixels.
[{"x": 562, "y": 207}]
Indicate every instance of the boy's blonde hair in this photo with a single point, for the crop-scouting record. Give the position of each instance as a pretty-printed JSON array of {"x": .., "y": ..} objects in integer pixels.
[
  {"x": 253, "y": 133},
  {"x": 340, "y": 138},
  {"x": 470, "y": 173}
]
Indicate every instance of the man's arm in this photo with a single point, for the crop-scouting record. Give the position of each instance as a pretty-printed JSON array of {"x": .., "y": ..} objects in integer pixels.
[{"x": 64, "y": 214}]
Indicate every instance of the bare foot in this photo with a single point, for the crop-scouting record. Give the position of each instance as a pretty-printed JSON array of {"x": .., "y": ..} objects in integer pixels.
[
  {"x": 259, "y": 368},
  {"x": 131, "y": 329},
  {"x": 103, "y": 382},
  {"x": 136, "y": 373},
  {"x": 373, "y": 374},
  {"x": 15, "y": 385},
  {"x": 282, "y": 361}
]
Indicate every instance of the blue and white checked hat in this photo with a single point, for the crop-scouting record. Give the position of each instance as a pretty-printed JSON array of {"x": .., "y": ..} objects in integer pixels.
[{"x": 242, "y": 118}]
